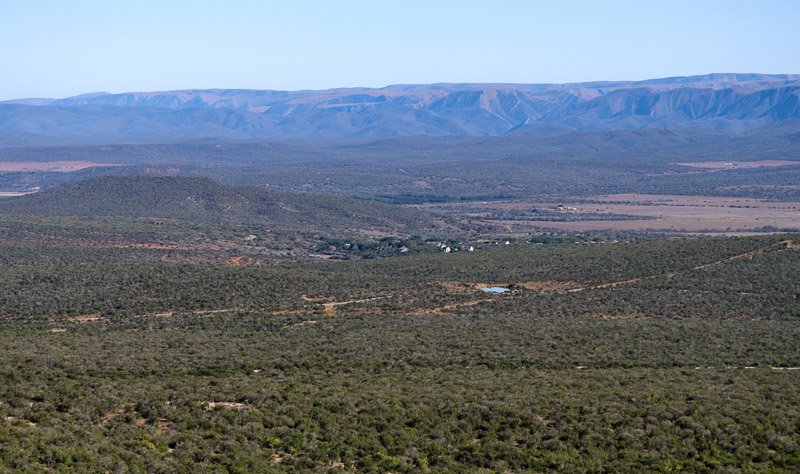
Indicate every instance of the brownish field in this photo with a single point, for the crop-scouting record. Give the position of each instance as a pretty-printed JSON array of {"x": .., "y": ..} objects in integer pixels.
[
  {"x": 690, "y": 214},
  {"x": 715, "y": 166},
  {"x": 51, "y": 166},
  {"x": 736, "y": 165}
]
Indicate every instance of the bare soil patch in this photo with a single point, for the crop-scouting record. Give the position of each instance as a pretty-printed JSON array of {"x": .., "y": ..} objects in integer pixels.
[
  {"x": 308, "y": 298},
  {"x": 162, "y": 426},
  {"x": 301, "y": 323},
  {"x": 87, "y": 318},
  {"x": 14, "y": 418},
  {"x": 114, "y": 414},
  {"x": 233, "y": 405},
  {"x": 329, "y": 307}
]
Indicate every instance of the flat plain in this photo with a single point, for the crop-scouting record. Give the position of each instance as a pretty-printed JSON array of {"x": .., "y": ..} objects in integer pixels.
[{"x": 641, "y": 212}]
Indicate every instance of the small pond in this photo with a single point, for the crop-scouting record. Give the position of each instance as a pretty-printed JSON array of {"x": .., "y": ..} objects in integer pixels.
[{"x": 495, "y": 289}]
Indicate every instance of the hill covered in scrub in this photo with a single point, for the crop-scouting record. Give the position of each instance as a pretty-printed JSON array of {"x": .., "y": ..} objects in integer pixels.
[{"x": 208, "y": 200}]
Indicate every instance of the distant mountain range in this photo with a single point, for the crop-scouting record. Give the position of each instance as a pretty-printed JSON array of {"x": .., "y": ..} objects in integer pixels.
[{"x": 728, "y": 102}]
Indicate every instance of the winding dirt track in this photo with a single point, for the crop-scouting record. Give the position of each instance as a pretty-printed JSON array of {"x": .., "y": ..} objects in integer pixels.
[
  {"x": 330, "y": 308},
  {"x": 786, "y": 244}
]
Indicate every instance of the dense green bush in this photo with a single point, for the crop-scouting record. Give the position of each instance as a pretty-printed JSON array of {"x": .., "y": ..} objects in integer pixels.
[{"x": 685, "y": 366}]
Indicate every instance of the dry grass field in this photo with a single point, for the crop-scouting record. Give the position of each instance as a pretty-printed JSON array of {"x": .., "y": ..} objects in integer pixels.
[
  {"x": 690, "y": 214},
  {"x": 51, "y": 166}
]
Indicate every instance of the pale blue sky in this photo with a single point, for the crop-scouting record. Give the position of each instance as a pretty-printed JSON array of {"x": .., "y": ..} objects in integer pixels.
[{"x": 60, "y": 48}]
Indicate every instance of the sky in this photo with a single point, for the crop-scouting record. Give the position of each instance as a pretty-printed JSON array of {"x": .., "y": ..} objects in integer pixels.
[{"x": 59, "y": 49}]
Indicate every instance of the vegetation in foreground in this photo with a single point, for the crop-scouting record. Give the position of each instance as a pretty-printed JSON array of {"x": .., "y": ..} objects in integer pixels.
[{"x": 661, "y": 356}]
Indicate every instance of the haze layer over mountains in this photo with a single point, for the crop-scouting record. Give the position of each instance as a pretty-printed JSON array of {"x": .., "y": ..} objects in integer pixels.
[{"x": 727, "y": 102}]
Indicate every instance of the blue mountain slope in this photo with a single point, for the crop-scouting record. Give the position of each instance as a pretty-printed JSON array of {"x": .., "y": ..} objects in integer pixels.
[{"x": 729, "y": 102}]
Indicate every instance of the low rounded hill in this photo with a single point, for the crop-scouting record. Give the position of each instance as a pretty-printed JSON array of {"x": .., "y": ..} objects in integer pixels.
[{"x": 208, "y": 200}]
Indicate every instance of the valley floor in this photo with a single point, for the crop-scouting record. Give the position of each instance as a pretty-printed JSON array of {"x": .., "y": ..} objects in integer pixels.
[{"x": 689, "y": 215}]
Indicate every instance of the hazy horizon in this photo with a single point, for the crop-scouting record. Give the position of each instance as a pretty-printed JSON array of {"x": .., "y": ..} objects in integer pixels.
[
  {"x": 56, "y": 50},
  {"x": 356, "y": 87}
]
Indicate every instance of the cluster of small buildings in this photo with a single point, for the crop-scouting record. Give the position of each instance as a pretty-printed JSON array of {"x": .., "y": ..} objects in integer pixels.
[{"x": 443, "y": 247}]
